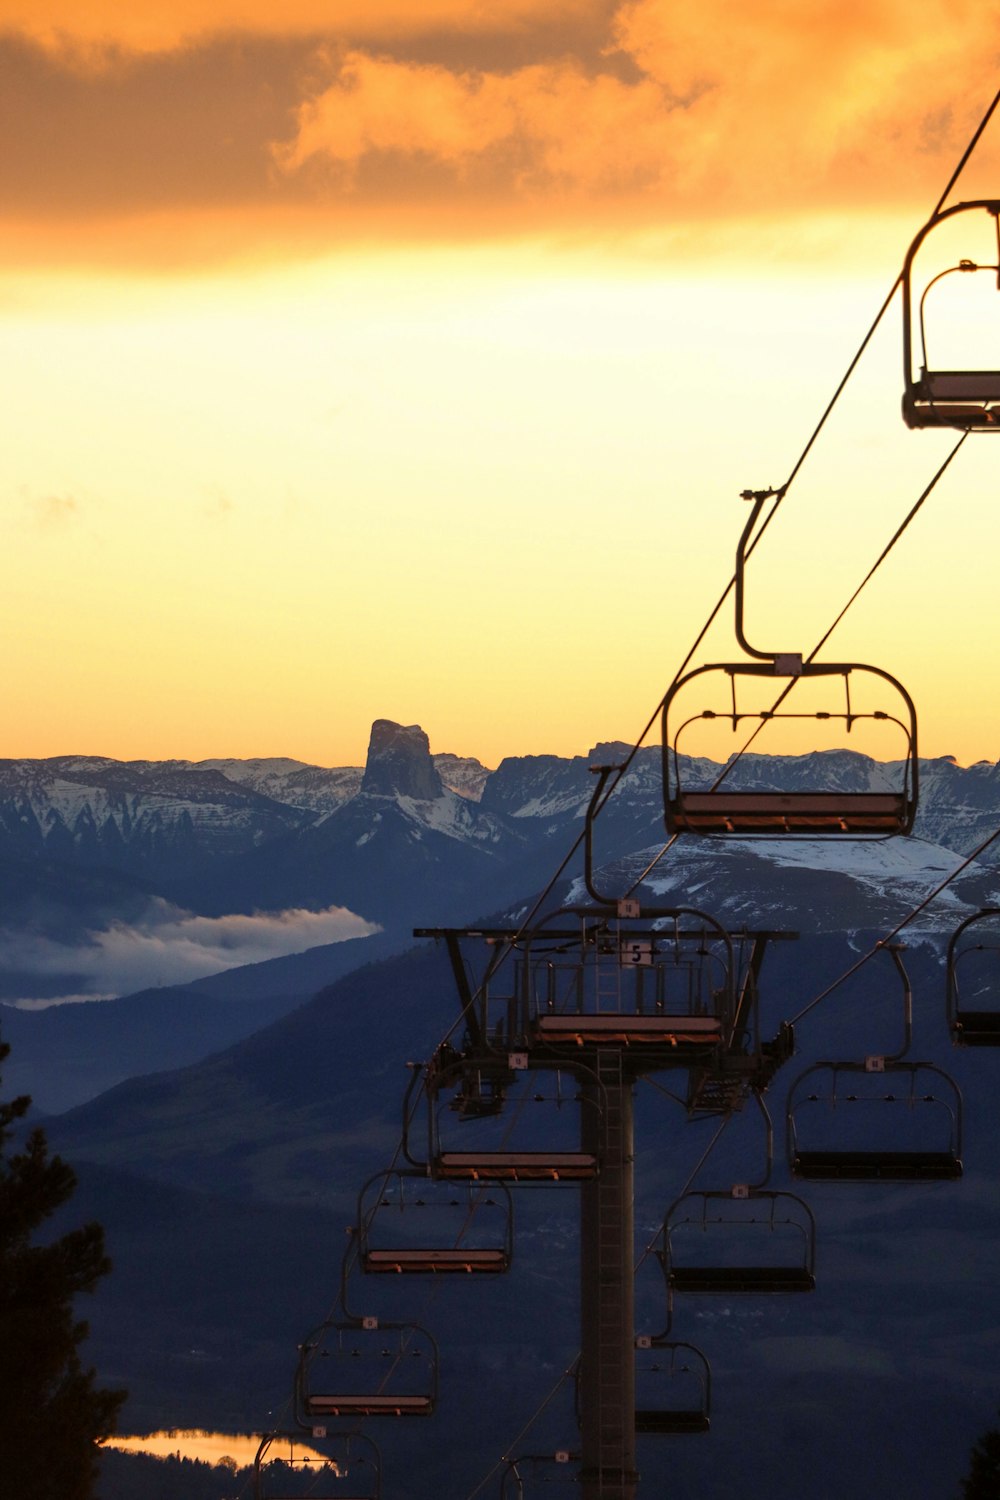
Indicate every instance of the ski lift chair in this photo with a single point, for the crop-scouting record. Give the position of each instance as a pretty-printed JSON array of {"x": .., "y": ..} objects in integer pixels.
[
  {"x": 532, "y": 1474},
  {"x": 722, "y": 810},
  {"x": 973, "y": 983},
  {"x": 408, "y": 1225},
  {"x": 349, "y": 1466},
  {"x": 748, "y": 1239},
  {"x": 830, "y": 1131},
  {"x": 832, "y": 1106},
  {"x": 365, "y": 1368},
  {"x": 965, "y": 399},
  {"x": 491, "y": 1156},
  {"x": 819, "y": 812},
  {"x": 673, "y": 1388}
]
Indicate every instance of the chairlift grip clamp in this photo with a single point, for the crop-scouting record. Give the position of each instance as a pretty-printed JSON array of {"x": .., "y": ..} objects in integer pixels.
[{"x": 760, "y": 495}]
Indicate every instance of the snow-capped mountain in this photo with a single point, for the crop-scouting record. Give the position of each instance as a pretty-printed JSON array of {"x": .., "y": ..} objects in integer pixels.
[
  {"x": 416, "y": 837},
  {"x": 808, "y": 885},
  {"x": 139, "y": 816},
  {"x": 293, "y": 783},
  {"x": 150, "y": 817},
  {"x": 404, "y": 844}
]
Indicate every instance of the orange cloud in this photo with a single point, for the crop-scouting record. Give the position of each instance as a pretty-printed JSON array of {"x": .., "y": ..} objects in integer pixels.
[
  {"x": 379, "y": 105},
  {"x": 819, "y": 97},
  {"x": 549, "y": 122},
  {"x": 161, "y": 25},
  {"x": 725, "y": 106},
  {"x": 296, "y": 133}
]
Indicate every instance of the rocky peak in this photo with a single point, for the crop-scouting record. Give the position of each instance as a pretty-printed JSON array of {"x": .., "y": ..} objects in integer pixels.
[
  {"x": 399, "y": 763},
  {"x": 609, "y": 753}
]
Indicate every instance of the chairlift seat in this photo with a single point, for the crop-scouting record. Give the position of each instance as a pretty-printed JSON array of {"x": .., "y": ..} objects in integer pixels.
[
  {"x": 379, "y": 1404},
  {"x": 641, "y": 1030},
  {"x": 516, "y": 1166},
  {"x": 732, "y": 1279},
  {"x": 953, "y": 398},
  {"x": 976, "y": 1028},
  {"x": 454, "y": 1259},
  {"x": 881, "y": 814},
  {"x": 656, "y": 1421},
  {"x": 876, "y": 1166}
]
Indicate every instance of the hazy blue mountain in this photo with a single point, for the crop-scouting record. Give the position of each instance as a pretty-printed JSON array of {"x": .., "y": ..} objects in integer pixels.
[{"x": 64, "y": 1055}]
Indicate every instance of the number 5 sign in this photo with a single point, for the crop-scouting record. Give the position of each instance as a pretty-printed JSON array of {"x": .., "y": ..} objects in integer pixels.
[{"x": 638, "y": 952}]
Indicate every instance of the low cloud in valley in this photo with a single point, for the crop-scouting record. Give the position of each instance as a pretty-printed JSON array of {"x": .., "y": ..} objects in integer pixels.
[{"x": 168, "y": 946}]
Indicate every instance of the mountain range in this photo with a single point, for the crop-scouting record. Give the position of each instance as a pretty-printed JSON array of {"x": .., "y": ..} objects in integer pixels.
[
  {"x": 222, "y": 1127},
  {"x": 85, "y": 839},
  {"x": 168, "y": 883}
]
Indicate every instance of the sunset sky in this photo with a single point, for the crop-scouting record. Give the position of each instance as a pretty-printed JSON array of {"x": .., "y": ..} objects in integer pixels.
[{"x": 406, "y": 360}]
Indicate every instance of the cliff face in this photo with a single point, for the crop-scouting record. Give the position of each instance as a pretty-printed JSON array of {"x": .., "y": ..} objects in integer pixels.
[{"x": 399, "y": 763}]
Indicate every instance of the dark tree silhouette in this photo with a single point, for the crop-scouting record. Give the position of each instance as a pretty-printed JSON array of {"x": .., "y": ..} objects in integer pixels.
[
  {"x": 51, "y": 1413},
  {"x": 983, "y": 1479}
]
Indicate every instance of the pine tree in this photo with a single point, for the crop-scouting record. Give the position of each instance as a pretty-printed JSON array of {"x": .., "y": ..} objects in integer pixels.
[
  {"x": 983, "y": 1479},
  {"x": 51, "y": 1413}
]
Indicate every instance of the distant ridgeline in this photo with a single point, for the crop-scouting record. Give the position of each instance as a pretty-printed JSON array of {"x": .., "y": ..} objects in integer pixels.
[
  {"x": 403, "y": 840},
  {"x": 96, "y": 851}
]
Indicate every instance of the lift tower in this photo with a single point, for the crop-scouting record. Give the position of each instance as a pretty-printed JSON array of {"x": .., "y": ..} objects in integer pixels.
[
  {"x": 607, "y": 1258},
  {"x": 607, "y": 994}
]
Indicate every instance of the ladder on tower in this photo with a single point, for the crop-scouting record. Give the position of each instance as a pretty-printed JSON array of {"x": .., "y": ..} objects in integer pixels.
[
  {"x": 616, "y": 1396},
  {"x": 608, "y": 977}
]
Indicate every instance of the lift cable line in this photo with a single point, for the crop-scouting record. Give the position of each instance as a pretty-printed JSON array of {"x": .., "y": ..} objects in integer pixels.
[
  {"x": 550, "y": 1396},
  {"x": 953, "y": 179},
  {"x": 887, "y": 549},
  {"x": 778, "y": 495},
  {"x": 759, "y": 497},
  {"x": 703, "y": 1158},
  {"x": 884, "y": 942}
]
